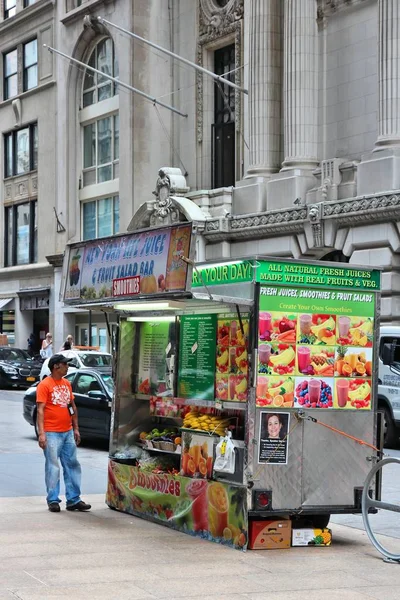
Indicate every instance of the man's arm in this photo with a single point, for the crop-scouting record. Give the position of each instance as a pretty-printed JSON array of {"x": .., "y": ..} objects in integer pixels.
[
  {"x": 75, "y": 425},
  {"x": 40, "y": 424}
]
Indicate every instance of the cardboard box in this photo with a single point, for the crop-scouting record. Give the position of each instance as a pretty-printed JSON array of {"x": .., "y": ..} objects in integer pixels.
[
  {"x": 311, "y": 537},
  {"x": 267, "y": 535}
]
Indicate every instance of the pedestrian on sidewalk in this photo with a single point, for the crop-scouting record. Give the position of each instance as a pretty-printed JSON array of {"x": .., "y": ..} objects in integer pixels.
[
  {"x": 57, "y": 420},
  {"x": 47, "y": 346}
]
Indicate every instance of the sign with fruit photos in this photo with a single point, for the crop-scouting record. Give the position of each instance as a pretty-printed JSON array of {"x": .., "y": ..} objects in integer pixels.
[
  {"x": 315, "y": 348},
  {"x": 232, "y": 367},
  {"x": 211, "y": 510},
  {"x": 154, "y": 256}
]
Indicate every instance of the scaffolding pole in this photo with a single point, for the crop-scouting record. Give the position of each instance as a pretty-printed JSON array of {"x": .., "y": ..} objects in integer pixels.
[
  {"x": 219, "y": 78},
  {"x": 117, "y": 81}
]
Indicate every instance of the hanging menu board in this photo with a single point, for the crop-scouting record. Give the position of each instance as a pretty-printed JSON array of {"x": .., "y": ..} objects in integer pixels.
[
  {"x": 197, "y": 357},
  {"x": 315, "y": 348},
  {"x": 154, "y": 339}
]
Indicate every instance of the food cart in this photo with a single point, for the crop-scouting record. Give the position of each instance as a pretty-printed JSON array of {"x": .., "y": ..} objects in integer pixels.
[{"x": 276, "y": 357}]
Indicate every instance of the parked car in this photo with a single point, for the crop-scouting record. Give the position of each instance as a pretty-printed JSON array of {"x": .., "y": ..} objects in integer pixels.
[
  {"x": 93, "y": 390},
  {"x": 81, "y": 359},
  {"x": 17, "y": 367},
  {"x": 389, "y": 383}
]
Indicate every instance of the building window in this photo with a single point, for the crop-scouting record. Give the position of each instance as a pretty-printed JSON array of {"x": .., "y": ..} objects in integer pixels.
[
  {"x": 21, "y": 151},
  {"x": 223, "y": 134},
  {"x": 95, "y": 87},
  {"x": 100, "y": 218},
  {"x": 10, "y": 74},
  {"x": 10, "y": 8},
  {"x": 21, "y": 236},
  {"x": 101, "y": 150},
  {"x": 30, "y": 65},
  {"x": 26, "y": 55},
  {"x": 28, "y": 3}
]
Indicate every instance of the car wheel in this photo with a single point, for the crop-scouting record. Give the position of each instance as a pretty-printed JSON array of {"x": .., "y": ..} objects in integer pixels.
[{"x": 390, "y": 434}]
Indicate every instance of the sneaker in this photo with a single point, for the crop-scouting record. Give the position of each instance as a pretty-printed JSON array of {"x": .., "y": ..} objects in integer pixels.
[
  {"x": 81, "y": 506},
  {"x": 54, "y": 507}
]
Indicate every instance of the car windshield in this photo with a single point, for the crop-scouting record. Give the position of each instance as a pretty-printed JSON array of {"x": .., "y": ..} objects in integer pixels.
[
  {"x": 95, "y": 360},
  {"x": 13, "y": 354},
  {"x": 108, "y": 382}
]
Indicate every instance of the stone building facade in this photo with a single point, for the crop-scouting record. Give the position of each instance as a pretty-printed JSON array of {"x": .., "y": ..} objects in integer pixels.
[{"x": 304, "y": 165}]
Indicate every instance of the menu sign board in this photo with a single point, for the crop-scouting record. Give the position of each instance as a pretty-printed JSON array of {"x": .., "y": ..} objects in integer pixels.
[
  {"x": 197, "y": 357},
  {"x": 154, "y": 256},
  {"x": 315, "y": 348},
  {"x": 154, "y": 340}
]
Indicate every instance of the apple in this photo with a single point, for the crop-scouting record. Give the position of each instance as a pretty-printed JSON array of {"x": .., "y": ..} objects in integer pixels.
[{"x": 284, "y": 325}]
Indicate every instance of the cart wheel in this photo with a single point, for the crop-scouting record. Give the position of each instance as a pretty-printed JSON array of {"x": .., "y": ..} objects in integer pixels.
[
  {"x": 367, "y": 502},
  {"x": 390, "y": 434}
]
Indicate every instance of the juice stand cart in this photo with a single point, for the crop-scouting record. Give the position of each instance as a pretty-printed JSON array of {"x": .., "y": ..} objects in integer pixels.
[{"x": 264, "y": 348}]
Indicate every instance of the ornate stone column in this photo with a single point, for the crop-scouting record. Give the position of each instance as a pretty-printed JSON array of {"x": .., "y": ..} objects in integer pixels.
[
  {"x": 389, "y": 74},
  {"x": 300, "y": 84},
  {"x": 265, "y": 85}
]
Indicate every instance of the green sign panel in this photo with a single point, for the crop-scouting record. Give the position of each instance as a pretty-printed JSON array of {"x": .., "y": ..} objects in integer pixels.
[
  {"x": 288, "y": 273},
  {"x": 197, "y": 356},
  {"x": 335, "y": 276},
  {"x": 232, "y": 272}
]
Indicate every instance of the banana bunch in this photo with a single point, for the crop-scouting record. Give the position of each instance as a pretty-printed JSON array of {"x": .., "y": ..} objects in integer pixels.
[{"x": 207, "y": 423}]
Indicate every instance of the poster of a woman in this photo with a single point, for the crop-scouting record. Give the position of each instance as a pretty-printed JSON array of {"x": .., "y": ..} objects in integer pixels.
[{"x": 274, "y": 438}]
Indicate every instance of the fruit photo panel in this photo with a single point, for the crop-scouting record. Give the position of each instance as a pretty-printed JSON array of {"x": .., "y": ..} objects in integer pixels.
[
  {"x": 221, "y": 387},
  {"x": 222, "y": 361},
  {"x": 238, "y": 360},
  {"x": 223, "y": 332},
  {"x": 275, "y": 391},
  {"x": 237, "y": 388},
  {"x": 354, "y": 331},
  {"x": 353, "y": 362},
  {"x": 277, "y": 327},
  {"x": 314, "y": 392},
  {"x": 316, "y": 329},
  {"x": 352, "y": 393},
  {"x": 276, "y": 359},
  {"x": 315, "y": 360},
  {"x": 238, "y": 335}
]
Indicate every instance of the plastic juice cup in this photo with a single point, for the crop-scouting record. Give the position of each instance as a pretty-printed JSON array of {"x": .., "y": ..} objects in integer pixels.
[
  {"x": 314, "y": 390},
  {"x": 305, "y": 324},
  {"x": 342, "y": 392},
  {"x": 233, "y": 329},
  {"x": 232, "y": 356},
  {"x": 353, "y": 360},
  {"x": 264, "y": 353},
  {"x": 218, "y": 507},
  {"x": 303, "y": 358},
  {"x": 265, "y": 323},
  {"x": 232, "y": 386},
  {"x": 344, "y": 326},
  {"x": 197, "y": 491},
  {"x": 262, "y": 387}
]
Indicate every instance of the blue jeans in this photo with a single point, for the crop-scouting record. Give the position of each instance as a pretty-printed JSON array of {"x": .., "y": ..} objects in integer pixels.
[{"x": 61, "y": 445}]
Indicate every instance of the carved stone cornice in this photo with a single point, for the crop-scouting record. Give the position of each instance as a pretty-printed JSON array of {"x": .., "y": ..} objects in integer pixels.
[
  {"x": 326, "y": 8},
  {"x": 363, "y": 209},
  {"x": 56, "y": 260},
  {"x": 357, "y": 211}
]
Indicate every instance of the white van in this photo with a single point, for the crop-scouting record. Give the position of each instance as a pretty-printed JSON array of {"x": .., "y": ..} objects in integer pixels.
[{"x": 389, "y": 382}]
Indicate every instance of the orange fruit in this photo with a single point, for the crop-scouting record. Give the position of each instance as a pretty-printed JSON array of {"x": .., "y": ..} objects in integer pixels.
[
  {"x": 339, "y": 366},
  {"x": 191, "y": 468},
  {"x": 202, "y": 469},
  {"x": 368, "y": 368},
  {"x": 360, "y": 369},
  {"x": 346, "y": 370},
  {"x": 278, "y": 400}
]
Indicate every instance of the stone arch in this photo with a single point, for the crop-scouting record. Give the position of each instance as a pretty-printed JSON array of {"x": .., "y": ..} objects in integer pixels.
[{"x": 335, "y": 256}]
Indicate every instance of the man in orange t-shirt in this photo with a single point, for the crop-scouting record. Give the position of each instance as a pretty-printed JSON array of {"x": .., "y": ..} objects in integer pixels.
[{"x": 57, "y": 421}]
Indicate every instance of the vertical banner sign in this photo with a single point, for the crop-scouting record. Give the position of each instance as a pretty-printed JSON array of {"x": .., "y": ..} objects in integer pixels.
[
  {"x": 196, "y": 375},
  {"x": 315, "y": 348},
  {"x": 149, "y": 261},
  {"x": 152, "y": 357}
]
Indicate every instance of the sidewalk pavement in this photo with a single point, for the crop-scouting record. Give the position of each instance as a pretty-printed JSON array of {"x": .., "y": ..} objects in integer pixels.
[{"x": 108, "y": 555}]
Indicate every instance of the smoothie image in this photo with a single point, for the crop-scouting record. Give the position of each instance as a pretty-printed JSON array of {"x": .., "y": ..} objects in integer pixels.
[
  {"x": 264, "y": 353},
  {"x": 314, "y": 390},
  {"x": 232, "y": 386},
  {"x": 344, "y": 326},
  {"x": 218, "y": 506},
  {"x": 265, "y": 324},
  {"x": 303, "y": 358},
  {"x": 232, "y": 358},
  {"x": 262, "y": 387},
  {"x": 197, "y": 491},
  {"x": 233, "y": 330},
  {"x": 305, "y": 324},
  {"x": 342, "y": 392}
]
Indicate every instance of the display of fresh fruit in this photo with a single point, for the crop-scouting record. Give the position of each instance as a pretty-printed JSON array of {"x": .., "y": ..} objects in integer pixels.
[
  {"x": 212, "y": 424},
  {"x": 360, "y": 393},
  {"x": 352, "y": 364}
]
